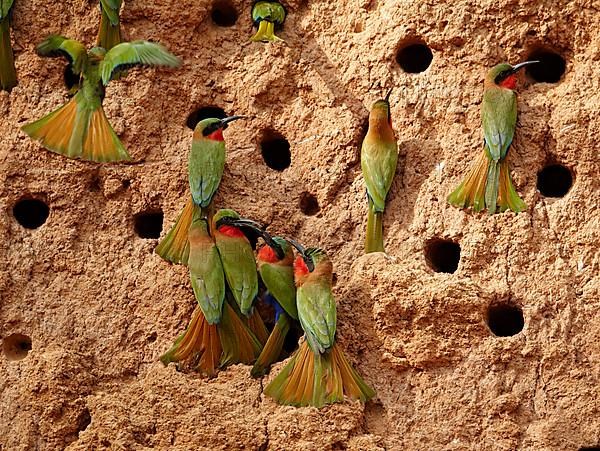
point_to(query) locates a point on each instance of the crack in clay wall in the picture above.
(87, 307)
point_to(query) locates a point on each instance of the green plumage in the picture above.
(278, 277)
(267, 16)
(8, 75)
(206, 271)
(109, 34)
(205, 164)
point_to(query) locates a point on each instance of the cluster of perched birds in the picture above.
(236, 291)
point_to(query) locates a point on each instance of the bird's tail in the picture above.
(374, 239)
(109, 33)
(200, 342)
(491, 186)
(78, 131)
(313, 379)
(273, 346)
(257, 326)
(507, 195)
(8, 75)
(472, 191)
(265, 32)
(175, 246)
(239, 343)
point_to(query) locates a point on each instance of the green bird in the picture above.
(276, 268)
(109, 33)
(488, 183)
(267, 16)
(318, 373)
(8, 75)
(378, 161)
(80, 129)
(206, 163)
(216, 336)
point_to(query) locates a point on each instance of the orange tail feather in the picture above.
(258, 328)
(175, 246)
(239, 343)
(471, 192)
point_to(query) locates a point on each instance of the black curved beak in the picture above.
(307, 260)
(519, 66)
(225, 121)
(387, 96)
(273, 244)
(242, 222)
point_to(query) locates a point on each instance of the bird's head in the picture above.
(505, 75)
(212, 128)
(310, 260)
(275, 250)
(380, 114)
(229, 222)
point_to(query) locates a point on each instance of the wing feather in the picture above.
(74, 51)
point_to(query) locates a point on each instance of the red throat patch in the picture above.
(231, 231)
(300, 268)
(509, 82)
(217, 135)
(267, 254)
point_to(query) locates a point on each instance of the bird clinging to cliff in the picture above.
(267, 16)
(378, 160)
(8, 75)
(318, 373)
(206, 163)
(488, 183)
(109, 33)
(80, 129)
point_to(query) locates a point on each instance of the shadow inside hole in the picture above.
(414, 58)
(505, 319)
(70, 78)
(290, 343)
(83, 420)
(554, 180)
(442, 255)
(590, 448)
(148, 224)
(205, 112)
(31, 213)
(275, 150)
(224, 14)
(16, 346)
(309, 205)
(550, 69)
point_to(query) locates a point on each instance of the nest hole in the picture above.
(555, 180)
(148, 224)
(224, 14)
(290, 343)
(309, 205)
(31, 213)
(590, 448)
(550, 69)
(505, 319)
(442, 255)
(83, 420)
(275, 150)
(205, 112)
(70, 78)
(16, 346)
(414, 57)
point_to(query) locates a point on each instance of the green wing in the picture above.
(5, 6)
(316, 311)
(279, 280)
(378, 163)
(111, 9)
(240, 270)
(206, 165)
(271, 11)
(55, 45)
(135, 53)
(498, 119)
(208, 281)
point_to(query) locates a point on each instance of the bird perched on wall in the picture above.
(378, 161)
(206, 163)
(215, 336)
(275, 262)
(267, 16)
(488, 183)
(80, 129)
(318, 373)
(8, 75)
(109, 33)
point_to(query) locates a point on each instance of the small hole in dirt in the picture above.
(275, 150)
(16, 346)
(95, 184)
(505, 319)
(204, 112)
(84, 420)
(152, 337)
(126, 183)
(31, 213)
(148, 224)
(550, 69)
(590, 448)
(414, 58)
(442, 255)
(309, 205)
(224, 14)
(554, 180)
(290, 344)
(71, 78)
